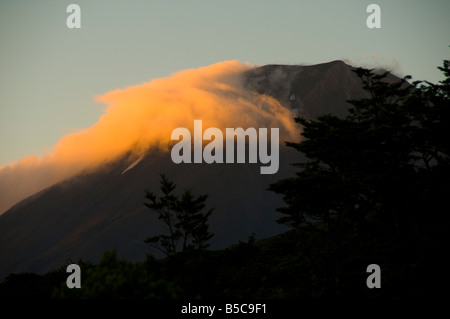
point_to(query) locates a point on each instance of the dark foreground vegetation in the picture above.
(374, 190)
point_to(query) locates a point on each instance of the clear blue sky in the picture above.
(50, 74)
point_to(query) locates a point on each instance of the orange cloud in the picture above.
(144, 116)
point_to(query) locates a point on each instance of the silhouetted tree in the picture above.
(374, 186)
(376, 163)
(165, 207)
(114, 278)
(184, 218)
(192, 223)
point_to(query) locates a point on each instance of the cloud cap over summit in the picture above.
(143, 116)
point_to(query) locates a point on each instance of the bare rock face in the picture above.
(308, 90)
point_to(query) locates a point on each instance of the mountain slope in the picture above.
(96, 211)
(309, 90)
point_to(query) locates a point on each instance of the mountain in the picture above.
(309, 90)
(100, 210)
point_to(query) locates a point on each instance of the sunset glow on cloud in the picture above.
(143, 116)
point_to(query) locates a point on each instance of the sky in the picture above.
(51, 76)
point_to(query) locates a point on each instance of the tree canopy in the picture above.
(184, 218)
(375, 183)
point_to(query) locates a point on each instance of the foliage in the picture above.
(113, 278)
(374, 186)
(183, 217)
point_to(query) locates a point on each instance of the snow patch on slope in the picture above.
(132, 165)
